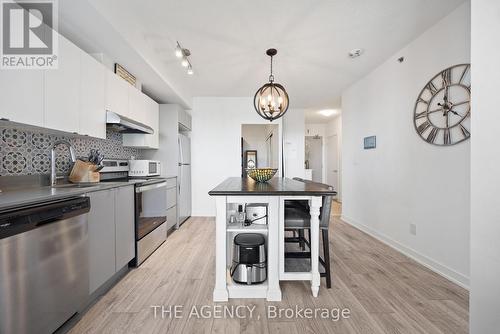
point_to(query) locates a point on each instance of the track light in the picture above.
(180, 52)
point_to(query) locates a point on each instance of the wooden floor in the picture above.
(385, 291)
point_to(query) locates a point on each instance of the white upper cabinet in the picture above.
(21, 97)
(184, 119)
(137, 102)
(92, 98)
(153, 114)
(62, 90)
(150, 111)
(117, 94)
(75, 97)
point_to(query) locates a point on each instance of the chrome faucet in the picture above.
(53, 174)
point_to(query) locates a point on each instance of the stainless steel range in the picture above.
(150, 207)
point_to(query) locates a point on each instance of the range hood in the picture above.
(124, 124)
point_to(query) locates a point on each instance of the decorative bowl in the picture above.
(261, 174)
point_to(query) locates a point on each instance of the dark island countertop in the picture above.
(277, 186)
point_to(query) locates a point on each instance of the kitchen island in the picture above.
(237, 191)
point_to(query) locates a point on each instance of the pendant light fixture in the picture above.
(271, 100)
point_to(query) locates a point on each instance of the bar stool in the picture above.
(298, 220)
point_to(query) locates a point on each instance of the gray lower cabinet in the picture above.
(171, 202)
(124, 224)
(101, 220)
(171, 217)
(111, 233)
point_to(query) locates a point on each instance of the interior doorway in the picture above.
(314, 157)
(260, 146)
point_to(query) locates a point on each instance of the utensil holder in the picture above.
(84, 172)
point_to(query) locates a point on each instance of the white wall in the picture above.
(334, 128)
(293, 140)
(273, 144)
(215, 144)
(405, 180)
(485, 171)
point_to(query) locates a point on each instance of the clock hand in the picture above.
(454, 112)
(435, 110)
(443, 107)
(460, 103)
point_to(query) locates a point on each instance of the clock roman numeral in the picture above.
(446, 76)
(421, 115)
(464, 73)
(424, 126)
(465, 132)
(432, 135)
(447, 137)
(421, 100)
(432, 88)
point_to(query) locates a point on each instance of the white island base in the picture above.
(274, 232)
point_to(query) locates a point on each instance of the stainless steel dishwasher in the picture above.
(44, 276)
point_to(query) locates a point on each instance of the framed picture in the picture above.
(370, 142)
(124, 74)
(251, 159)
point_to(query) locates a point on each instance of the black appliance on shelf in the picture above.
(249, 259)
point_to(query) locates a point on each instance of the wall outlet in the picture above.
(413, 229)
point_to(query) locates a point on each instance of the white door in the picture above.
(332, 163)
(22, 96)
(153, 114)
(92, 102)
(117, 94)
(62, 90)
(137, 105)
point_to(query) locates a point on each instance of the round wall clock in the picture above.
(442, 110)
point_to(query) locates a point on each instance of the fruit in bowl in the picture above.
(261, 174)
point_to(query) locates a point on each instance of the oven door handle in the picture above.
(150, 187)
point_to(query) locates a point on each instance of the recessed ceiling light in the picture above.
(328, 112)
(355, 53)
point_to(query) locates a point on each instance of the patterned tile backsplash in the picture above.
(27, 151)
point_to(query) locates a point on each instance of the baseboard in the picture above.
(433, 265)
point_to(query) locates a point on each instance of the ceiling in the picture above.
(228, 40)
